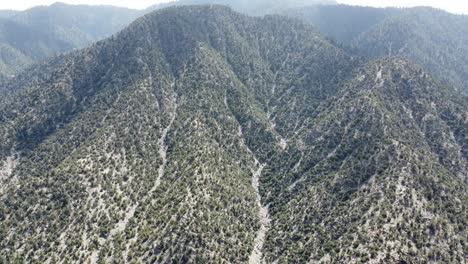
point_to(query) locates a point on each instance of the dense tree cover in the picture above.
(139, 147)
(429, 37)
(44, 31)
(380, 174)
(40, 32)
(433, 38)
(144, 148)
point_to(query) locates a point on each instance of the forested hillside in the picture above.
(148, 142)
(41, 32)
(378, 175)
(201, 135)
(433, 38)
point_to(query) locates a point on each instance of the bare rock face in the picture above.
(7, 166)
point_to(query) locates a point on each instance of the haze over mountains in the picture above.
(257, 7)
(201, 135)
(41, 32)
(433, 38)
(7, 13)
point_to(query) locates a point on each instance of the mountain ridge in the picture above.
(315, 202)
(199, 134)
(430, 37)
(42, 32)
(180, 84)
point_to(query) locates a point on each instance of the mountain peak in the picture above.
(201, 135)
(176, 90)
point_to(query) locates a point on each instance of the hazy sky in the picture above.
(24, 4)
(455, 6)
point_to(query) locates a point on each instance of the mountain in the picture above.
(430, 37)
(21, 45)
(44, 31)
(40, 32)
(140, 146)
(77, 24)
(379, 175)
(255, 7)
(433, 38)
(342, 23)
(200, 135)
(7, 13)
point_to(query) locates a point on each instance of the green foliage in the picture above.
(432, 38)
(142, 148)
(41, 32)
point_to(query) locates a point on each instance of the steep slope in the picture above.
(432, 38)
(200, 135)
(379, 175)
(11, 61)
(150, 145)
(77, 24)
(21, 45)
(45, 31)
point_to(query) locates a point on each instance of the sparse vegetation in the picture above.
(146, 147)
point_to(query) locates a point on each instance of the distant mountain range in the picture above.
(257, 7)
(198, 134)
(433, 38)
(202, 135)
(44, 31)
(41, 32)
